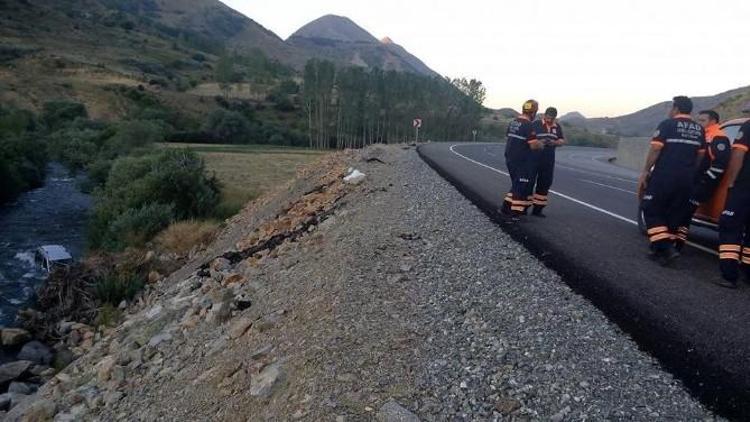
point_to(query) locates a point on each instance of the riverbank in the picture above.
(391, 298)
(56, 213)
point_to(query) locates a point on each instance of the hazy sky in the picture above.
(597, 57)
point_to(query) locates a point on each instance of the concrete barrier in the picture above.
(631, 152)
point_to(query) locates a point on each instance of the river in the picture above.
(56, 213)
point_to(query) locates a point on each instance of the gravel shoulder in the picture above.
(394, 299)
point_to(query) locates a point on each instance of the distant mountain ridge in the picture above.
(643, 122)
(339, 39)
(573, 117)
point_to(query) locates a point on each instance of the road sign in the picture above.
(417, 123)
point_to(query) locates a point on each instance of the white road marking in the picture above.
(607, 186)
(591, 173)
(578, 201)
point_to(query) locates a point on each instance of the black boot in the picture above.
(505, 208)
(538, 212)
(668, 256)
(727, 284)
(730, 273)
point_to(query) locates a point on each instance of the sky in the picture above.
(600, 58)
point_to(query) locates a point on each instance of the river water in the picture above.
(56, 214)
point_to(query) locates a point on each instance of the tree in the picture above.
(58, 113)
(352, 107)
(228, 126)
(223, 73)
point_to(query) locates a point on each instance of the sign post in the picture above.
(474, 132)
(417, 123)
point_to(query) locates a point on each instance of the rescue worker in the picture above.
(521, 141)
(678, 145)
(550, 135)
(710, 172)
(734, 239)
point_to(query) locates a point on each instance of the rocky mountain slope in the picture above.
(339, 39)
(334, 301)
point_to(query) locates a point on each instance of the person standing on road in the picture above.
(550, 134)
(677, 147)
(734, 239)
(710, 172)
(521, 141)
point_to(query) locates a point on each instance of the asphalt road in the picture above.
(697, 330)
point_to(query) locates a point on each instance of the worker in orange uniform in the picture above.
(521, 141)
(677, 147)
(710, 171)
(734, 239)
(550, 134)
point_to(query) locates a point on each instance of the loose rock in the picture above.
(14, 336)
(391, 411)
(36, 352)
(13, 370)
(240, 327)
(262, 385)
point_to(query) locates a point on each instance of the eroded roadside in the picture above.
(340, 302)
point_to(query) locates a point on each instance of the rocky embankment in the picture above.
(392, 299)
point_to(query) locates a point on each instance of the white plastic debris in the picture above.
(355, 177)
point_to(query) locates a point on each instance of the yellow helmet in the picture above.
(530, 107)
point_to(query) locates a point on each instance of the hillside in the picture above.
(94, 51)
(339, 39)
(643, 122)
(97, 51)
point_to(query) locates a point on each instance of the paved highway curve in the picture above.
(698, 331)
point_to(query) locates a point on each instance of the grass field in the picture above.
(247, 171)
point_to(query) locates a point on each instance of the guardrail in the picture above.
(631, 152)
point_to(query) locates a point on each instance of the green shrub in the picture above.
(97, 173)
(16, 122)
(135, 226)
(143, 195)
(75, 148)
(57, 114)
(23, 161)
(228, 126)
(277, 139)
(132, 135)
(113, 289)
(109, 315)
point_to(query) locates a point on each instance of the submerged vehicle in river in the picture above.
(50, 257)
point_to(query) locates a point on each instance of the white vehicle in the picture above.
(52, 256)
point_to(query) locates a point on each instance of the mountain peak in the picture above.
(334, 27)
(573, 116)
(339, 39)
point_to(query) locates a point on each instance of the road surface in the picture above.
(699, 331)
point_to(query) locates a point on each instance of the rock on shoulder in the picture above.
(394, 412)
